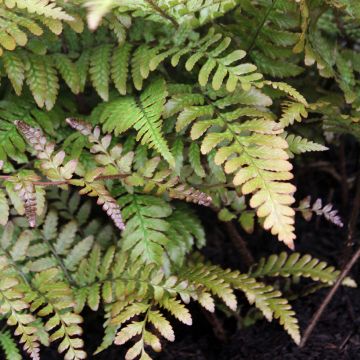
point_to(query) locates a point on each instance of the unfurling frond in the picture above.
(328, 212)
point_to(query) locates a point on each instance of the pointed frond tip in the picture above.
(190, 194)
(79, 125)
(27, 194)
(109, 204)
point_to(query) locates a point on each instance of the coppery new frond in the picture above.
(52, 164)
(327, 211)
(101, 144)
(190, 194)
(79, 125)
(35, 138)
(108, 203)
(26, 191)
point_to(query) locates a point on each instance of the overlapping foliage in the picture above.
(207, 107)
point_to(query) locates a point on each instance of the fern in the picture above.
(256, 144)
(146, 226)
(225, 66)
(144, 116)
(299, 266)
(9, 346)
(299, 145)
(207, 106)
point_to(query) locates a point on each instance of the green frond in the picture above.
(100, 70)
(146, 226)
(68, 72)
(299, 145)
(298, 265)
(143, 114)
(279, 69)
(120, 67)
(219, 63)
(195, 160)
(45, 8)
(42, 80)
(289, 90)
(9, 346)
(292, 111)
(184, 232)
(12, 144)
(15, 70)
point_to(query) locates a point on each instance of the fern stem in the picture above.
(66, 182)
(239, 243)
(67, 275)
(258, 30)
(165, 15)
(16, 267)
(316, 317)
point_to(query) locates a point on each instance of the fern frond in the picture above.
(222, 282)
(289, 90)
(57, 297)
(15, 308)
(212, 48)
(68, 72)
(52, 164)
(299, 145)
(300, 266)
(9, 346)
(108, 203)
(119, 67)
(260, 163)
(100, 70)
(185, 231)
(45, 8)
(146, 226)
(292, 111)
(144, 116)
(330, 214)
(15, 70)
(42, 80)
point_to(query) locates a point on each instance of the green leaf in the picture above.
(100, 70)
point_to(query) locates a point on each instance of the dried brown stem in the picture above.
(314, 320)
(239, 243)
(348, 265)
